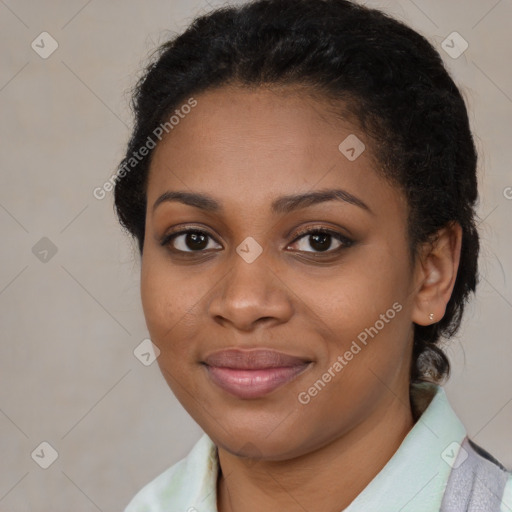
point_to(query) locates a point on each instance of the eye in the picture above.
(188, 240)
(321, 241)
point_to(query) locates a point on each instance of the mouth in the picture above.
(254, 373)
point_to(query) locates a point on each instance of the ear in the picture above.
(436, 271)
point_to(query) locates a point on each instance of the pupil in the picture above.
(319, 241)
(196, 241)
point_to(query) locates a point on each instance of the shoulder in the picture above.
(506, 501)
(481, 478)
(181, 485)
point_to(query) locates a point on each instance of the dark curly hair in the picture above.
(383, 74)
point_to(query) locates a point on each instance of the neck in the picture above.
(327, 479)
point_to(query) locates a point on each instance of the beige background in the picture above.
(69, 325)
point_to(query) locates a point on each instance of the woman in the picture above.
(301, 182)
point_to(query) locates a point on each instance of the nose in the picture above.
(251, 294)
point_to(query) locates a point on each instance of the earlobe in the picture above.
(438, 264)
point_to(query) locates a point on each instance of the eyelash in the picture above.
(345, 241)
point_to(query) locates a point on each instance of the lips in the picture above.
(253, 359)
(254, 373)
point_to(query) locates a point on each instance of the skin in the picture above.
(245, 148)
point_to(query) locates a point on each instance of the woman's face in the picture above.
(251, 279)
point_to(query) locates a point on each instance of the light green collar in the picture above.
(416, 475)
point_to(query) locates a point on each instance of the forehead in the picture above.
(250, 145)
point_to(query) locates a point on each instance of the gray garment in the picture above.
(476, 483)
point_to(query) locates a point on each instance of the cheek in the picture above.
(363, 306)
(169, 303)
(356, 292)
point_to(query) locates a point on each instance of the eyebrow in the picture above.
(281, 205)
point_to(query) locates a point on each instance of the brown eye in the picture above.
(189, 241)
(322, 240)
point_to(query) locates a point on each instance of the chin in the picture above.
(257, 443)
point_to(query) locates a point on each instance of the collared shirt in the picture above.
(413, 479)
